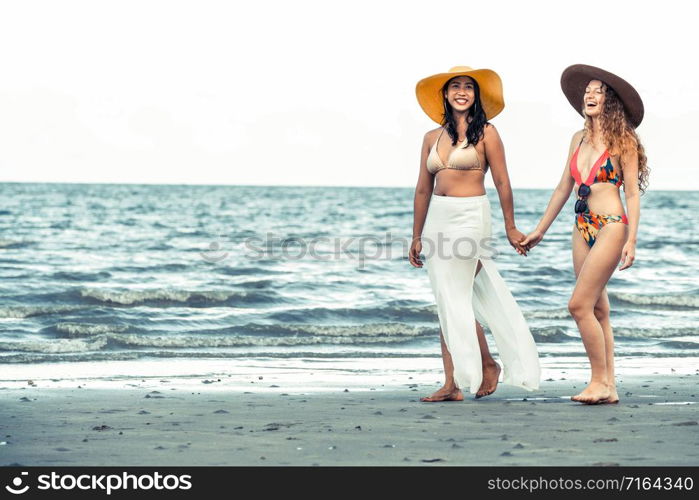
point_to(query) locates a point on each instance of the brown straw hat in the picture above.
(576, 77)
(429, 94)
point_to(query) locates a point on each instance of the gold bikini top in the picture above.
(462, 157)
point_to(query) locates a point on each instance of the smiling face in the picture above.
(460, 93)
(593, 99)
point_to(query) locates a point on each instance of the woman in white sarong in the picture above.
(453, 224)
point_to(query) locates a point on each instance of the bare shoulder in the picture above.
(431, 136)
(577, 136)
(490, 134)
(630, 157)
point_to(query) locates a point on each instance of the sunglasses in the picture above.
(581, 203)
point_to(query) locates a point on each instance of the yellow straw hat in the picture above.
(429, 94)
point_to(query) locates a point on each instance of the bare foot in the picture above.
(444, 394)
(491, 374)
(613, 396)
(594, 393)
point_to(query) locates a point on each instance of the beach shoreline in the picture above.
(343, 412)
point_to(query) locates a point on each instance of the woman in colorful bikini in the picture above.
(451, 205)
(604, 156)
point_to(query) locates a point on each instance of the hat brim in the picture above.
(575, 78)
(428, 91)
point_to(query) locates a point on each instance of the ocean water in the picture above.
(137, 272)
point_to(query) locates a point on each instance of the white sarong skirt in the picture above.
(455, 236)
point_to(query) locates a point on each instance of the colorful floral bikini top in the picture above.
(602, 171)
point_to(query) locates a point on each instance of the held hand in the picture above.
(515, 236)
(414, 253)
(628, 254)
(532, 239)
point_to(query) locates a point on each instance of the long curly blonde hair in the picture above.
(618, 134)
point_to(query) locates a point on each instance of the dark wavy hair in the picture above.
(474, 130)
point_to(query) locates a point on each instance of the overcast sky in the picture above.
(319, 92)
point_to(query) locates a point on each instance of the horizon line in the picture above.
(275, 185)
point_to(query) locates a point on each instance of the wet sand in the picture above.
(257, 420)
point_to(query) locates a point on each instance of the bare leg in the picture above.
(580, 251)
(602, 315)
(450, 391)
(596, 270)
(491, 370)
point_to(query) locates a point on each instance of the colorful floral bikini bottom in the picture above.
(589, 224)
